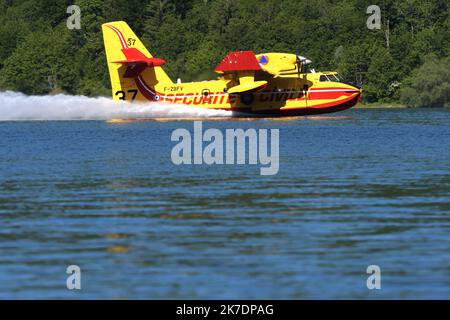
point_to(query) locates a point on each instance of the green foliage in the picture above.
(381, 75)
(40, 64)
(38, 54)
(429, 85)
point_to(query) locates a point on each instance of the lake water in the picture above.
(359, 188)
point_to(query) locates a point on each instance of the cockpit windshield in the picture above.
(333, 77)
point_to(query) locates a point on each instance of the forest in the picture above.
(405, 60)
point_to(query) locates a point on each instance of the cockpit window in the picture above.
(333, 77)
(329, 77)
(341, 78)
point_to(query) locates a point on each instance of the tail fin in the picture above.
(134, 73)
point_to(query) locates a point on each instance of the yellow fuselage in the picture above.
(274, 84)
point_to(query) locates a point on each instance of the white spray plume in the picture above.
(19, 107)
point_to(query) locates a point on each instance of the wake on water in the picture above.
(19, 107)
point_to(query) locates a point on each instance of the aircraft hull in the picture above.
(303, 111)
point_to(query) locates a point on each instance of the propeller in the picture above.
(298, 63)
(302, 62)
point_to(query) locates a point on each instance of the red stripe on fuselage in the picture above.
(329, 94)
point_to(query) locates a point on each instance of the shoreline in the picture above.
(391, 106)
(380, 106)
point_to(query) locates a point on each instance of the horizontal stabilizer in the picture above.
(134, 56)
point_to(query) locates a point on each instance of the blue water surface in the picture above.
(359, 188)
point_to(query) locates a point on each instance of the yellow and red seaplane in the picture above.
(269, 84)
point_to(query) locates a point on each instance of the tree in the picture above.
(41, 65)
(429, 85)
(194, 35)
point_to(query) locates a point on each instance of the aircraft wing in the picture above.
(248, 87)
(244, 64)
(239, 61)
